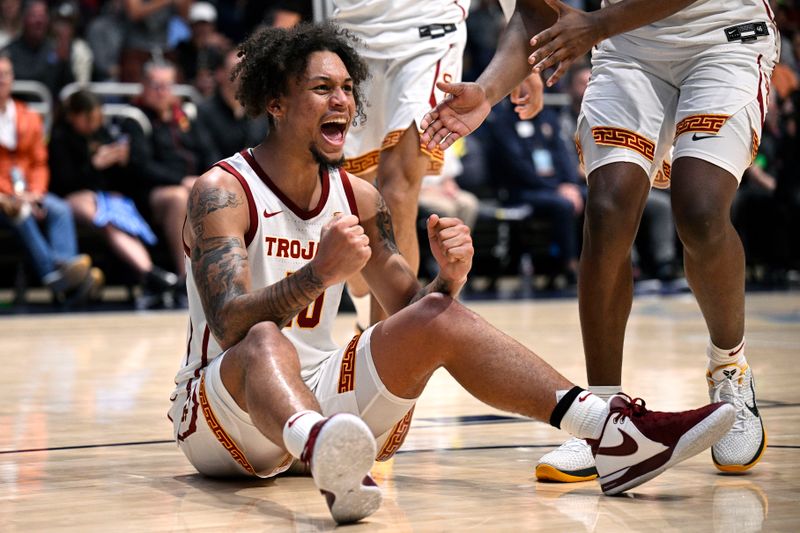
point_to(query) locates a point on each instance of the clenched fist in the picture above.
(343, 250)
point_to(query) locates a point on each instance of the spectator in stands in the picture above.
(41, 221)
(89, 167)
(530, 160)
(70, 48)
(167, 162)
(10, 20)
(35, 55)
(147, 32)
(106, 40)
(200, 56)
(223, 117)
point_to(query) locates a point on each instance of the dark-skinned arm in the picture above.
(576, 31)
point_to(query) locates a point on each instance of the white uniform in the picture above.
(214, 433)
(409, 46)
(695, 82)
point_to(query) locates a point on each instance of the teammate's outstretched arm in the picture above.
(468, 104)
(576, 31)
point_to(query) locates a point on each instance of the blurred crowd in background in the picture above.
(134, 101)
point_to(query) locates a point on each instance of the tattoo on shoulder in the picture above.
(205, 201)
(384, 222)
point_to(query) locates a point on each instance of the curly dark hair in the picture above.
(272, 57)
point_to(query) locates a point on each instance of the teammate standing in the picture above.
(408, 46)
(690, 74)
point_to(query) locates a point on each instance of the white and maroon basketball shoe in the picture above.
(636, 445)
(340, 452)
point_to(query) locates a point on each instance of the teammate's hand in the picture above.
(573, 35)
(343, 250)
(528, 97)
(464, 109)
(451, 244)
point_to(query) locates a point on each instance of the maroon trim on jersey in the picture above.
(463, 11)
(251, 203)
(204, 359)
(348, 191)
(432, 99)
(770, 14)
(759, 96)
(186, 249)
(189, 342)
(300, 212)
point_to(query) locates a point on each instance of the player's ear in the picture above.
(275, 108)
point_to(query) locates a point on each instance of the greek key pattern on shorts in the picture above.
(397, 437)
(756, 143)
(579, 150)
(701, 123)
(362, 164)
(392, 138)
(347, 372)
(662, 179)
(608, 136)
(220, 433)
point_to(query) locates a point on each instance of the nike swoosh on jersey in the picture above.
(582, 398)
(268, 215)
(696, 138)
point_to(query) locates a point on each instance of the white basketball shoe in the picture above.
(745, 443)
(572, 461)
(340, 452)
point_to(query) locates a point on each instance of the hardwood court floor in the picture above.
(85, 444)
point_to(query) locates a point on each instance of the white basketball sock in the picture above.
(296, 430)
(584, 416)
(719, 356)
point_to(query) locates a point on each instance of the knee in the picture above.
(608, 217)
(265, 342)
(700, 223)
(439, 313)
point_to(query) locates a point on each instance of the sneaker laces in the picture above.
(631, 408)
(731, 395)
(574, 444)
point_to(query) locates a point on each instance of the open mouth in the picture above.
(334, 130)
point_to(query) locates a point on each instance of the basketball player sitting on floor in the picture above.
(272, 234)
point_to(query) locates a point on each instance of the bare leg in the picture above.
(262, 374)
(400, 173)
(616, 199)
(169, 210)
(440, 332)
(702, 194)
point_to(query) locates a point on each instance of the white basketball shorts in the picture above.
(219, 439)
(402, 88)
(710, 105)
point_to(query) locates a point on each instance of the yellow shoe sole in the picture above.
(550, 473)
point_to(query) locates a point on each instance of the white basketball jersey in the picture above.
(282, 239)
(700, 23)
(383, 23)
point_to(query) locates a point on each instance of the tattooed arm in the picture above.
(390, 278)
(218, 220)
